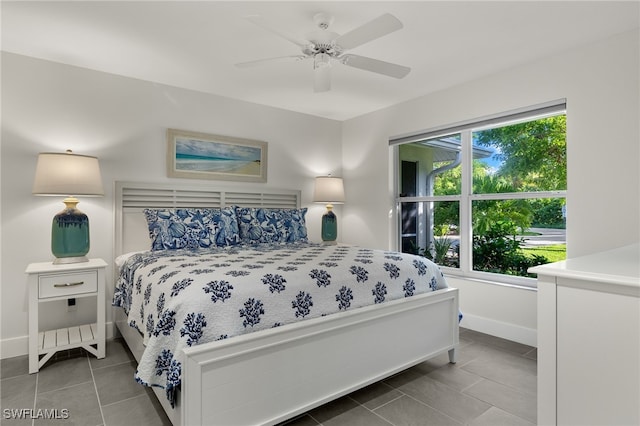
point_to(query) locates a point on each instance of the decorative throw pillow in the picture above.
(294, 226)
(260, 225)
(173, 229)
(254, 226)
(225, 227)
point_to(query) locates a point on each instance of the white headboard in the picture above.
(131, 198)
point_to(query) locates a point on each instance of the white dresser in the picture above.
(589, 339)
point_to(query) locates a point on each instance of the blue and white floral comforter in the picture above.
(181, 298)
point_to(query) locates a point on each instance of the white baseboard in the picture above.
(19, 346)
(515, 333)
(16, 346)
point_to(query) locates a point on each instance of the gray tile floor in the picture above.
(493, 383)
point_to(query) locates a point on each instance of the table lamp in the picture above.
(329, 190)
(68, 174)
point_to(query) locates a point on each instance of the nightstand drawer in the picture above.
(67, 284)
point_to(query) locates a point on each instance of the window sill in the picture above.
(522, 283)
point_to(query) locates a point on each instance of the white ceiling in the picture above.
(195, 45)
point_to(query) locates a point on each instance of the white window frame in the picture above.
(466, 197)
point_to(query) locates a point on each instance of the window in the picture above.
(488, 196)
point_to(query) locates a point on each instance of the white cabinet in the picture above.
(589, 339)
(49, 282)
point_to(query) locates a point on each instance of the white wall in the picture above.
(600, 84)
(53, 107)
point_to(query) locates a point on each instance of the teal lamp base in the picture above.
(329, 231)
(70, 234)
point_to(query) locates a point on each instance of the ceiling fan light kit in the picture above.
(324, 46)
(321, 60)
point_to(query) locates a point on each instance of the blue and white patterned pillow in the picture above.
(260, 225)
(173, 229)
(225, 227)
(294, 227)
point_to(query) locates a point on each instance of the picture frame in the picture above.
(194, 155)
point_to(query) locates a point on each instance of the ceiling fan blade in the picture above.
(256, 19)
(379, 27)
(322, 79)
(375, 65)
(258, 62)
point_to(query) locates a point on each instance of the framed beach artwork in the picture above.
(203, 156)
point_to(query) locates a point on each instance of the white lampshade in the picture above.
(329, 189)
(67, 174)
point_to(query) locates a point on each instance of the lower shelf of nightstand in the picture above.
(81, 336)
(67, 338)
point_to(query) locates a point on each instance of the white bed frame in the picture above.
(269, 376)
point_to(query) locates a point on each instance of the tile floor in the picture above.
(493, 383)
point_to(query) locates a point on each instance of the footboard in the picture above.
(273, 375)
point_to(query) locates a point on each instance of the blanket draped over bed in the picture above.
(181, 298)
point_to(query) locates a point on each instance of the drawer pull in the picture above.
(69, 284)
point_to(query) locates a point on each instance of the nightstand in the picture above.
(49, 282)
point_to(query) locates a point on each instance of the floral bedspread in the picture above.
(181, 298)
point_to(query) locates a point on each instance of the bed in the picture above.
(265, 368)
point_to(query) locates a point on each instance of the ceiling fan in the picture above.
(326, 47)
